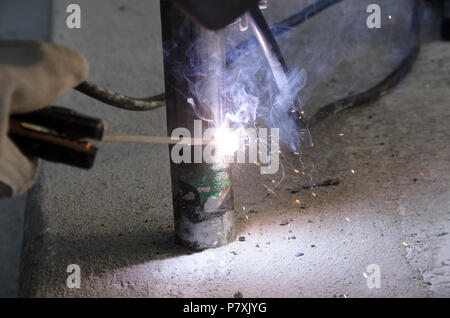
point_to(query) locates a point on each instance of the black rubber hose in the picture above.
(382, 87)
(120, 101)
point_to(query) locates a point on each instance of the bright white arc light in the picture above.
(226, 141)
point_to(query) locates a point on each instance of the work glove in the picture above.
(33, 74)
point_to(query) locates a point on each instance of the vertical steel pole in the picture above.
(202, 193)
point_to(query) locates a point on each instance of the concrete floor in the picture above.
(115, 221)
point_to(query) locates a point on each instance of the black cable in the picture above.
(382, 87)
(120, 101)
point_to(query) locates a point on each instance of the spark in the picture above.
(270, 190)
(347, 219)
(296, 153)
(246, 217)
(341, 134)
(405, 244)
(227, 140)
(298, 201)
(314, 195)
(243, 208)
(390, 17)
(365, 275)
(353, 171)
(296, 171)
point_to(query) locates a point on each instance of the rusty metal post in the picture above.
(202, 193)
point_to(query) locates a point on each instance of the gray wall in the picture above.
(18, 19)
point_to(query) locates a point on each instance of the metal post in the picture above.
(202, 192)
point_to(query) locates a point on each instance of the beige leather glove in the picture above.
(33, 74)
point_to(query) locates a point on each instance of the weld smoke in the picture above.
(326, 48)
(248, 94)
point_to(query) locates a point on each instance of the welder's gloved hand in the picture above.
(33, 74)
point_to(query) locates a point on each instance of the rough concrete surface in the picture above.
(11, 232)
(391, 207)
